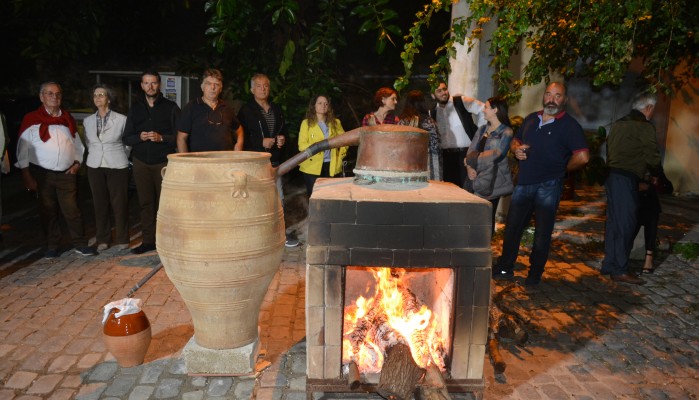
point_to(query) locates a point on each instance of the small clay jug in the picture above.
(127, 337)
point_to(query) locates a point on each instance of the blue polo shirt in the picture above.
(552, 145)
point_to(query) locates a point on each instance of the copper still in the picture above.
(389, 156)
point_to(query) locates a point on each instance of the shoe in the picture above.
(648, 267)
(143, 248)
(86, 251)
(291, 242)
(502, 274)
(52, 253)
(628, 278)
(121, 246)
(532, 281)
(102, 247)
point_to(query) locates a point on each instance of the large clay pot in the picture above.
(220, 237)
(127, 337)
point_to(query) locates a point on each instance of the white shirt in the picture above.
(56, 154)
(451, 130)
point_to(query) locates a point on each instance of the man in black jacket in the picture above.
(151, 132)
(265, 128)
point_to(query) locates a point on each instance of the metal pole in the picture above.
(144, 280)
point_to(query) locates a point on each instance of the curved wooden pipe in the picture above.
(349, 138)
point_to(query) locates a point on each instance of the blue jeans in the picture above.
(622, 217)
(542, 200)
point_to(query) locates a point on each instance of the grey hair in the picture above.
(44, 84)
(643, 100)
(256, 77)
(107, 89)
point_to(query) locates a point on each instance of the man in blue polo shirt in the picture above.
(549, 143)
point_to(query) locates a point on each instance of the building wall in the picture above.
(682, 143)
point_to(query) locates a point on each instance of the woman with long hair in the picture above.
(415, 113)
(320, 124)
(384, 103)
(488, 169)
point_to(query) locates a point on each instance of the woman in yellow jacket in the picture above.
(320, 124)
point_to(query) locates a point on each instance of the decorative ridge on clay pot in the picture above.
(126, 336)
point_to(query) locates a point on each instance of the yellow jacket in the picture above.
(308, 136)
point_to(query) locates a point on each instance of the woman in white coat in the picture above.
(107, 169)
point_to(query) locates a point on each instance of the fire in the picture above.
(391, 315)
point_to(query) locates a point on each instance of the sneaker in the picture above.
(143, 248)
(121, 246)
(52, 253)
(86, 251)
(502, 274)
(291, 242)
(102, 247)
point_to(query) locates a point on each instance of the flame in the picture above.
(392, 315)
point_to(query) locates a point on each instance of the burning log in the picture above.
(433, 386)
(400, 374)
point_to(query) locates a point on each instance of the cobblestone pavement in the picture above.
(589, 338)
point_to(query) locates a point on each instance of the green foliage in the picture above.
(67, 29)
(413, 44)
(295, 43)
(376, 16)
(595, 39)
(689, 250)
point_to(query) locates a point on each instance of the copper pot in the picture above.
(392, 154)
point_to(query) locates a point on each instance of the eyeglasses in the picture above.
(217, 118)
(99, 95)
(52, 94)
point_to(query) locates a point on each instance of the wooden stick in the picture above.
(353, 377)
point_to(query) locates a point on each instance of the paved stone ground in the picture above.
(589, 338)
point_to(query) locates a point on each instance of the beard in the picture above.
(552, 108)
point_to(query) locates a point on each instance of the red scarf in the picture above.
(44, 119)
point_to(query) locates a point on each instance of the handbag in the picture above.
(485, 183)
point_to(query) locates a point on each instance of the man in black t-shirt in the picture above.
(208, 123)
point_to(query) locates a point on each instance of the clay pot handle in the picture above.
(240, 183)
(162, 172)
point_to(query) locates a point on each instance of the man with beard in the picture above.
(151, 133)
(456, 129)
(549, 143)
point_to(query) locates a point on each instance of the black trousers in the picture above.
(58, 196)
(149, 182)
(310, 179)
(454, 168)
(110, 191)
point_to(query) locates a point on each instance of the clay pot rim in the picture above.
(218, 156)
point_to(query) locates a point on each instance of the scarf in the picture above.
(44, 119)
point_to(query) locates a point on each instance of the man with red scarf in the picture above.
(49, 153)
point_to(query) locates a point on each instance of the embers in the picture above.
(385, 307)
